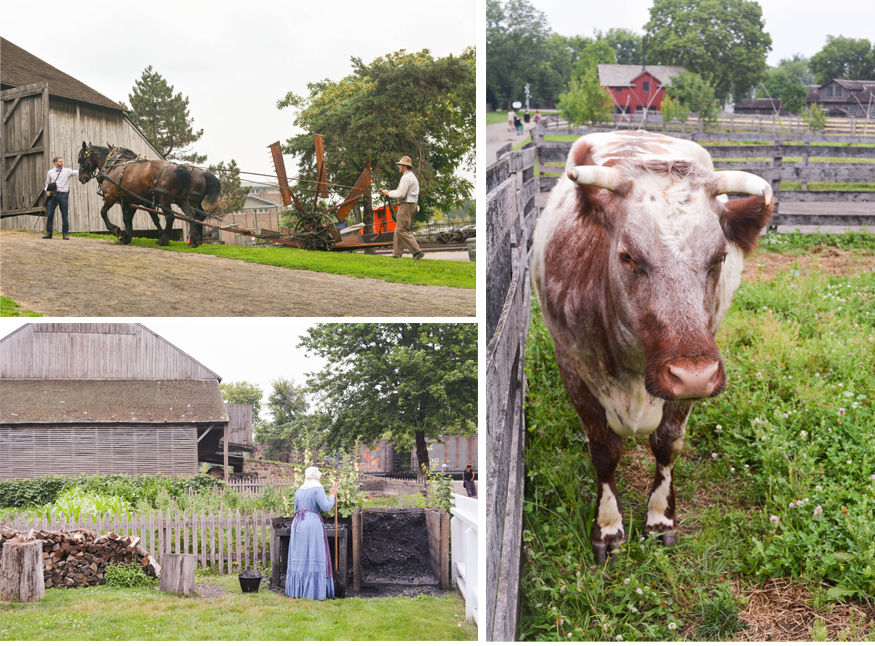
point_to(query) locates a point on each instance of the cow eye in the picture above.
(717, 261)
(626, 259)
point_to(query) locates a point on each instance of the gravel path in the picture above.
(87, 277)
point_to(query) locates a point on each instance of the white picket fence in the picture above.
(464, 530)
(227, 540)
(256, 486)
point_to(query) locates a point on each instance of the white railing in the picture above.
(464, 531)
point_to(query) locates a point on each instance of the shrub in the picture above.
(127, 576)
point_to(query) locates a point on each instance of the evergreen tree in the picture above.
(163, 117)
(232, 196)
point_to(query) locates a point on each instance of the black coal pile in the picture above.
(395, 549)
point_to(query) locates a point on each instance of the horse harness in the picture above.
(111, 163)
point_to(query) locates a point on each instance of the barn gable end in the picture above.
(105, 398)
(45, 113)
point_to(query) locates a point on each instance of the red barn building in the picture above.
(635, 88)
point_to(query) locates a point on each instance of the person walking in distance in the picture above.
(408, 194)
(57, 190)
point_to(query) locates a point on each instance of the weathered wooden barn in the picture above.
(46, 113)
(109, 398)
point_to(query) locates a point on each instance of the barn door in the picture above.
(25, 133)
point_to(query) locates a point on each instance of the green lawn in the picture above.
(104, 613)
(428, 271)
(8, 307)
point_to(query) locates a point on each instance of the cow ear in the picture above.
(742, 221)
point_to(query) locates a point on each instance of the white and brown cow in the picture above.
(635, 262)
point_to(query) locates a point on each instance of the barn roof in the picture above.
(141, 401)
(623, 75)
(23, 68)
(760, 104)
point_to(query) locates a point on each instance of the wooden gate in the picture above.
(25, 133)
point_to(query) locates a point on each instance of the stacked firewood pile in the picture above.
(79, 558)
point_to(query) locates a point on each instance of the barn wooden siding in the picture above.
(34, 451)
(25, 113)
(239, 423)
(69, 124)
(94, 351)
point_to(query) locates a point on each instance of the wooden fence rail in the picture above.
(811, 163)
(511, 187)
(227, 540)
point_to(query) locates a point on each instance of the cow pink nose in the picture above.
(700, 381)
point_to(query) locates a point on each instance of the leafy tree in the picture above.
(290, 428)
(781, 84)
(594, 53)
(163, 117)
(243, 392)
(626, 44)
(673, 109)
(797, 66)
(695, 94)
(232, 197)
(586, 102)
(724, 42)
(407, 382)
(400, 104)
(516, 44)
(554, 71)
(815, 115)
(844, 58)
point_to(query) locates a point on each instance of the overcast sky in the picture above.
(257, 350)
(233, 60)
(794, 25)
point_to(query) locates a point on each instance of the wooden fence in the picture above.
(771, 161)
(227, 541)
(511, 213)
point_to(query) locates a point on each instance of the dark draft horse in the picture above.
(128, 180)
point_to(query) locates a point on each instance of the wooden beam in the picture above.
(204, 433)
(225, 441)
(11, 109)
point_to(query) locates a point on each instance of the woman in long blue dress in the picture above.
(309, 574)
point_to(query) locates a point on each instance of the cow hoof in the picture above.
(605, 552)
(666, 537)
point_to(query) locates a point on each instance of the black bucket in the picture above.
(250, 580)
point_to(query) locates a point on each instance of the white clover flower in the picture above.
(639, 591)
(672, 626)
(786, 415)
(774, 519)
(714, 456)
(818, 487)
(791, 505)
(803, 434)
(731, 469)
(627, 581)
(818, 510)
(719, 427)
(805, 499)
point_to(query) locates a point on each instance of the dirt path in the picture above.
(85, 277)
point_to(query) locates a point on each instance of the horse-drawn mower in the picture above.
(315, 227)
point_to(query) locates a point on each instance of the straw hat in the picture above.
(405, 161)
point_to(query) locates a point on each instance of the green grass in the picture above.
(428, 271)
(8, 307)
(104, 613)
(795, 424)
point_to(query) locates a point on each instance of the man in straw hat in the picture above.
(408, 193)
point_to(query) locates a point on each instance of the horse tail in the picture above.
(214, 187)
(183, 175)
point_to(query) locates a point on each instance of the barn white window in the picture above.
(840, 92)
(829, 93)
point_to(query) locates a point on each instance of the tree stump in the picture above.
(177, 574)
(21, 575)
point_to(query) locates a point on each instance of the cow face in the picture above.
(669, 241)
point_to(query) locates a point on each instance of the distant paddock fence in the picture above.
(778, 159)
(256, 486)
(227, 541)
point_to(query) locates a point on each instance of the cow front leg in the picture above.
(605, 448)
(666, 444)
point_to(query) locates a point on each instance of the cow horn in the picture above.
(600, 176)
(736, 181)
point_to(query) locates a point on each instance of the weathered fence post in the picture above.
(357, 550)
(21, 575)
